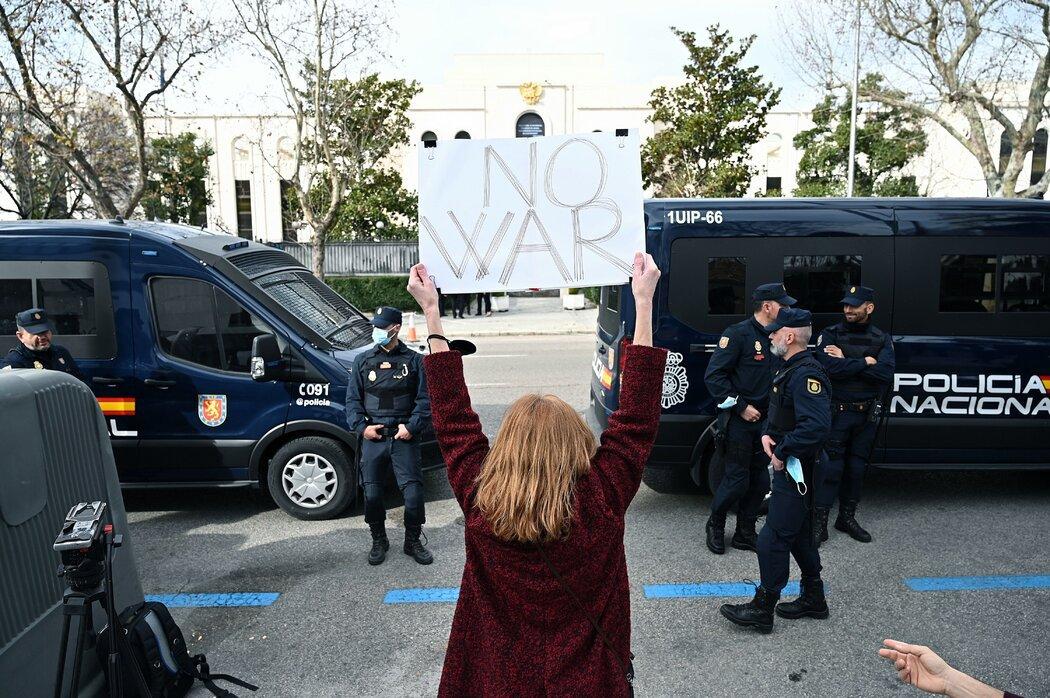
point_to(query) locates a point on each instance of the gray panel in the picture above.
(24, 490)
(78, 466)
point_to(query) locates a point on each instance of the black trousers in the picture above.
(786, 535)
(487, 298)
(406, 460)
(746, 478)
(460, 302)
(845, 462)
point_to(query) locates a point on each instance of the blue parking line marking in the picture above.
(431, 595)
(208, 600)
(1019, 581)
(686, 591)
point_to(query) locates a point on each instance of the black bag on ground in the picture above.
(154, 657)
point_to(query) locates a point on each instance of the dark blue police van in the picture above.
(165, 321)
(962, 285)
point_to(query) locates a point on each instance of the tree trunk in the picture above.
(317, 249)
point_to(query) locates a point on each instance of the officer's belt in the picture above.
(864, 406)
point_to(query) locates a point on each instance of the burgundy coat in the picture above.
(516, 631)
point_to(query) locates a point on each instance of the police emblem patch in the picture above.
(813, 386)
(676, 381)
(211, 409)
(723, 342)
(37, 364)
(758, 346)
(62, 360)
(36, 316)
(372, 376)
(852, 289)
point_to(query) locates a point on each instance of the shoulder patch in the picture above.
(814, 386)
(723, 342)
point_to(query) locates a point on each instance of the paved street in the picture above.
(329, 633)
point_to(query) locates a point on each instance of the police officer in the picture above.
(388, 406)
(35, 349)
(798, 422)
(859, 359)
(740, 373)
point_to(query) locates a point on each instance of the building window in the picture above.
(818, 281)
(428, 136)
(243, 190)
(967, 283)
(773, 184)
(1026, 282)
(1038, 156)
(529, 125)
(463, 135)
(725, 285)
(289, 211)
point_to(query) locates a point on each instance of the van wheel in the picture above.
(311, 478)
(669, 480)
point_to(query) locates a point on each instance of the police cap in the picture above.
(773, 292)
(858, 295)
(34, 321)
(790, 317)
(386, 317)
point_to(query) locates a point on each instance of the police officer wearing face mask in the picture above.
(798, 422)
(35, 349)
(859, 359)
(388, 406)
(740, 373)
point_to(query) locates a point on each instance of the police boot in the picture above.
(847, 524)
(380, 544)
(745, 538)
(809, 604)
(414, 547)
(716, 534)
(756, 613)
(820, 525)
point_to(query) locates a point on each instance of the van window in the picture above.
(1026, 283)
(200, 323)
(818, 281)
(317, 305)
(609, 309)
(16, 295)
(967, 283)
(725, 285)
(70, 304)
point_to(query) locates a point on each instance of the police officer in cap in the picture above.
(798, 422)
(739, 376)
(859, 359)
(35, 349)
(388, 406)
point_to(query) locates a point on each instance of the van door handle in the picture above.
(603, 350)
(159, 382)
(106, 380)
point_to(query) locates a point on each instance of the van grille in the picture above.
(258, 262)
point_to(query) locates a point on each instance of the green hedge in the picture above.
(593, 293)
(370, 292)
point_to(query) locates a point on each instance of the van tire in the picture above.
(675, 480)
(313, 457)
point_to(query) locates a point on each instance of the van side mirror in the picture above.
(266, 358)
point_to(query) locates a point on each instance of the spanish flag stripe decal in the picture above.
(1046, 383)
(117, 406)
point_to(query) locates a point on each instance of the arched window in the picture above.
(428, 136)
(463, 135)
(1006, 149)
(529, 125)
(1038, 156)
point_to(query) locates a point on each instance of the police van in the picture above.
(962, 285)
(166, 322)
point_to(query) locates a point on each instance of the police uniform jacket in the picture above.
(799, 408)
(388, 388)
(852, 379)
(740, 366)
(54, 358)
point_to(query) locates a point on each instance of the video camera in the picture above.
(82, 544)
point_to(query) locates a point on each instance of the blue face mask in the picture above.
(380, 336)
(794, 469)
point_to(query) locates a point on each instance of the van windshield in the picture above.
(317, 305)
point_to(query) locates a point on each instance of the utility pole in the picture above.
(853, 110)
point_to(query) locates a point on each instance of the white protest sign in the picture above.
(519, 213)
